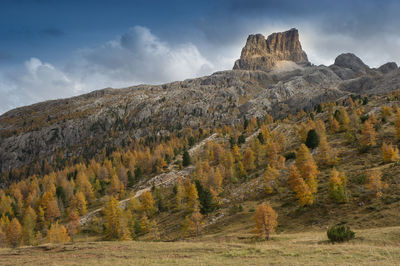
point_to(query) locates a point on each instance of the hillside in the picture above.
(65, 131)
(238, 194)
(361, 210)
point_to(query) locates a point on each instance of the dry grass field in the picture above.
(380, 246)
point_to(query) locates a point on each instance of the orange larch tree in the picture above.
(368, 137)
(52, 211)
(73, 226)
(374, 182)
(337, 186)
(248, 159)
(14, 233)
(390, 153)
(148, 202)
(29, 224)
(266, 220)
(325, 156)
(191, 196)
(299, 186)
(307, 167)
(57, 234)
(270, 177)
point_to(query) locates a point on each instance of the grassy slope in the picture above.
(372, 246)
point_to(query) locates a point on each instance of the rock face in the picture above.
(388, 67)
(352, 62)
(263, 54)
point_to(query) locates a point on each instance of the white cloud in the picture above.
(34, 81)
(137, 56)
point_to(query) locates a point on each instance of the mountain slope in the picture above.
(85, 125)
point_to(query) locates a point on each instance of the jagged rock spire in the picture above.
(263, 54)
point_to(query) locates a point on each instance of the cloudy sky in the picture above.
(59, 48)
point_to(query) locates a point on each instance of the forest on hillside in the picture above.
(340, 157)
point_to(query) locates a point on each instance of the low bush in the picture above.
(290, 155)
(340, 233)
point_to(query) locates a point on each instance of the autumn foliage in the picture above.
(14, 233)
(374, 183)
(266, 220)
(303, 176)
(368, 134)
(337, 186)
(271, 175)
(49, 204)
(390, 153)
(57, 234)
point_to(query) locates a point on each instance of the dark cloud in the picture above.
(33, 34)
(358, 18)
(52, 32)
(368, 28)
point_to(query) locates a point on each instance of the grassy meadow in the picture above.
(380, 246)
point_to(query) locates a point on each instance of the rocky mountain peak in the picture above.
(388, 67)
(263, 54)
(351, 61)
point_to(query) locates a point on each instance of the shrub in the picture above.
(318, 108)
(290, 155)
(364, 118)
(235, 209)
(312, 140)
(186, 158)
(260, 138)
(206, 200)
(340, 233)
(360, 179)
(241, 139)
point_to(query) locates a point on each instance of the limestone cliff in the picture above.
(263, 54)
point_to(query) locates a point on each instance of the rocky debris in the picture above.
(201, 144)
(264, 54)
(213, 219)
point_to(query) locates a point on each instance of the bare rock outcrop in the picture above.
(263, 54)
(388, 67)
(352, 62)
